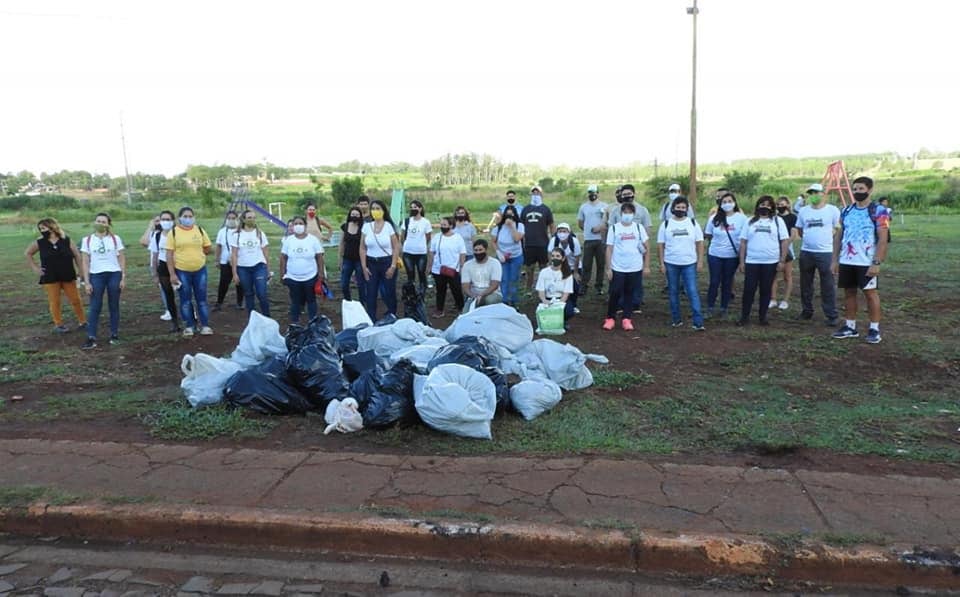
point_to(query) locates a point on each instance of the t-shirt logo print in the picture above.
(249, 244)
(680, 232)
(765, 228)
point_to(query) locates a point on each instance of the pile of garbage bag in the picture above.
(394, 371)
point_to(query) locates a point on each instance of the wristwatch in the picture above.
(876, 262)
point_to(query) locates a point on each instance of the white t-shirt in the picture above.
(763, 240)
(249, 244)
(506, 244)
(479, 275)
(679, 239)
(818, 226)
(158, 246)
(224, 246)
(553, 284)
(301, 257)
(446, 251)
(627, 242)
(571, 253)
(416, 241)
(592, 214)
(720, 243)
(378, 245)
(103, 252)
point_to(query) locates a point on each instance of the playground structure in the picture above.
(240, 200)
(836, 179)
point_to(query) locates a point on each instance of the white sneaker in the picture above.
(206, 331)
(783, 306)
(576, 310)
(166, 316)
(188, 332)
(772, 305)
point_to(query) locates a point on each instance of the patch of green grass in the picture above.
(785, 541)
(387, 511)
(620, 380)
(88, 406)
(851, 539)
(178, 421)
(18, 497)
(613, 524)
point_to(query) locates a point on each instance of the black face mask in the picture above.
(444, 229)
(414, 212)
(45, 233)
(680, 213)
(860, 196)
(627, 199)
(592, 196)
(462, 218)
(480, 257)
(556, 262)
(781, 210)
(763, 212)
(356, 219)
(511, 200)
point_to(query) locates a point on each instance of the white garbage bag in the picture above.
(343, 416)
(561, 363)
(353, 314)
(204, 377)
(385, 340)
(419, 354)
(456, 399)
(261, 340)
(501, 324)
(532, 398)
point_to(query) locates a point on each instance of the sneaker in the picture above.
(846, 332)
(609, 323)
(238, 307)
(175, 329)
(576, 310)
(873, 336)
(600, 292)
(114, 340)
(772, 305)
(187, 332)
(90, 343)
(81, 326)
(698, 328)
(627, 325)
(166, 316)
(206, 331)
(677, 324)
(783, 306)
(61, 329)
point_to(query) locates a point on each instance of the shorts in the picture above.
(535, 255)
(855, 276)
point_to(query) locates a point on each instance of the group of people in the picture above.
(615, 252)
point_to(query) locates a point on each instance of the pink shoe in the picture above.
(609, 323)
(627, 325)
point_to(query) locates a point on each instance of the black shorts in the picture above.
(535, 255)
(855, 276)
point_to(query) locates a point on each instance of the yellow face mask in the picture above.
(377, 214)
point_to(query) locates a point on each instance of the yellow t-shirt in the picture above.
(187, 247)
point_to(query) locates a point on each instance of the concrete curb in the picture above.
(513, 544)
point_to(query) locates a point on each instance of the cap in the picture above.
(674, 187)
(816, 187)
(563, 225)
(536, 188)
(592, 188)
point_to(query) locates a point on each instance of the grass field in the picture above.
(731, 390)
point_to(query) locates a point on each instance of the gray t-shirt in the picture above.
(643, 216)
(480, 275)
(592, 214)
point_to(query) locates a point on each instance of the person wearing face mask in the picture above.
(301, 269)
(379, 253)
(158, 265)
(56, 270)
(628, 194)
(222, 258)
(447, 256)
(249, 259)
(858, 252)
(507, 245)
(680, 244)
(104, 271)
(555, 283)
(592, 220)
(538, 223)
(317, 225)
(673, 191)
(147, 241)
(790, 220)
(763, 251)
(627, 258)
(480, 277)
(567, 242)
(464, 227)
(187, 248)
(350, 255)
(817, 224)
(416, 240)
(722, 233)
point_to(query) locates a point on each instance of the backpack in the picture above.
(872, 212)
(87, 239)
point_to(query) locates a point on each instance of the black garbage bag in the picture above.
(318, 331)
(386, 398)
(413, 303)
(357, 363)
(479, 354)
(347, 339)
(313, 363)
(266, 389)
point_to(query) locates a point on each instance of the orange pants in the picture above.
(53, 299)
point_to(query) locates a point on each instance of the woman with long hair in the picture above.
(58, 256)
(249, 257)
(222, 257)
(464, 227)
(555, 282)
(416, 241)
(104, 271)
(763, 250)
(785, 211)
(507, 243)
(349, 254)
(379, 253)
(723, 233)
(447, 255)
(158, 265)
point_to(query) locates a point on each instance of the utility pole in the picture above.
(126, 170)
(692, 195)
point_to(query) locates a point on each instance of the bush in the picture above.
(950, 196)
(38, 203)
(742, 183)
(346, 190)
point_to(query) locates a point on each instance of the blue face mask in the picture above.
(536, 200)
(186, 220)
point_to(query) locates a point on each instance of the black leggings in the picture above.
(442, 283)
(226, 276)
(164, 276)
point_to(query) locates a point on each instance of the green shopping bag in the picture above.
(550, 319)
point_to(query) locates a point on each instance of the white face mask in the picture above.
(563, 235)
(673, 195)
(299, 229)
(727, 207)
(166, 224)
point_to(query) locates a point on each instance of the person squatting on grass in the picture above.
(680, 244)
(379, 254)
(104, 270)
(158, 267)
(222, 258)
(627, 258)
(56, 270)
(301, 269)
(481, 277)
(250, 259)
(569, 245)
(445, 262)
(858, 252)
(187, 248)
(763, 251)
(723, 232)
(555, 284)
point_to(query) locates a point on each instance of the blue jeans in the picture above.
(687, 276)
(109, 282)
(722, 270)
(378, 267)
(193, 285)
(510, 282)
(253, 281)
(352, 269)
(301, 293)
(622, 290)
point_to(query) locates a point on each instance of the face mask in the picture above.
(860, 196)
(673, 195)
(727, 207)
(355, 219)
(299, 229)
(231, 223)
(536, 200)
(249, 223)
(763, 212)
(511, 200)
(377, 214)
(556, 262)
(186, 220)
(166, 224)
(680, 213)
(627, 199)
(444, 229)
(480, 257)
(462, 218)
(626, 218)
(781, 210)
(414, 211)
(45, 233)
(101, 227)
(563, 235)
(592, 197)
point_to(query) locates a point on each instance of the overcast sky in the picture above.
(551, 82)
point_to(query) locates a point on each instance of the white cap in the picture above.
(563, 225)
(592, 188)
(536, 187)
(816, 187)
(674, 187)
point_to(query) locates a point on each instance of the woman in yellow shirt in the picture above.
(187, 248)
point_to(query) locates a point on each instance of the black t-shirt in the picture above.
(56, 260)
(536, 220)
(351, 243)
(791, 221)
